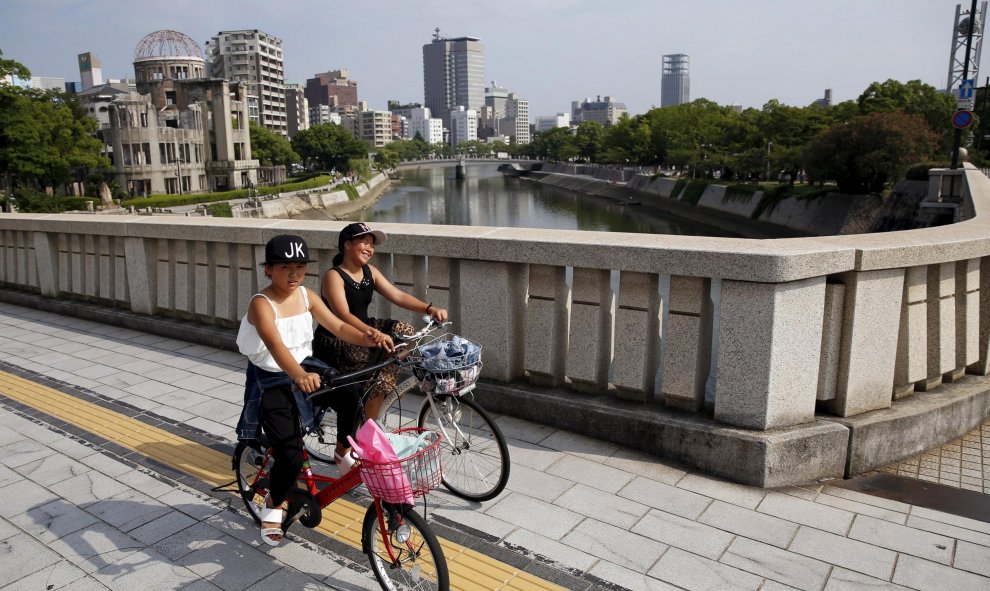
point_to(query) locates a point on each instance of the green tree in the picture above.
(913, 97)
(386, 158)
(865, 153)
(589, 139)
(270, 148)
(329, 146)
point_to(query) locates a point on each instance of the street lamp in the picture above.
(769, 144)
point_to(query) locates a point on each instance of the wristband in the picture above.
(428, 306)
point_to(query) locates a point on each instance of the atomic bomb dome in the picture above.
(167, 44)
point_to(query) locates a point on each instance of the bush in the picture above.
(352, 193)
(919, 172)
(28, 200)
(174, 200)
(77, 203)
(221, 210)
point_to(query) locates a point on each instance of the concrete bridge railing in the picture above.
(756, 334)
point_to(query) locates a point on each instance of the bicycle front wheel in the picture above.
(474, 456)
(419, 563)
(252, 480)
(321, 442)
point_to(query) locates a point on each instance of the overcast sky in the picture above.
(548, 51)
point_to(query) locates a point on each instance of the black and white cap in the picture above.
(286, 248)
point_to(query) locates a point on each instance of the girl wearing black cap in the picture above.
(347, 289)
(276, 335)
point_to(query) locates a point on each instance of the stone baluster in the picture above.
(189, 280)
(870, 322)
(212, 277)
(769, 342)
(967, 315)
(941, 324)
(141, 258)
(47, 257)
(637, 336)
(828, 369)
(408, 274)
(912, 339)
(589, 350)
(437, 286)
(381, 307)
(982, 366)
(489, 299)
(547, 310)
(687, 343)
(77, 267)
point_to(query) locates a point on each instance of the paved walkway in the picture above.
(963, 463)
(80, 512)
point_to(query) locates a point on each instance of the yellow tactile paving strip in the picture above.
(469, 570)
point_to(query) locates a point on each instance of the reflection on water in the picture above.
(431, 195)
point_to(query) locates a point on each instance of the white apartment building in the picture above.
(374, 127)
(463, 125)
(517, 111)
(548, 122)
(428, 128)
(320, 114)
(253, 58)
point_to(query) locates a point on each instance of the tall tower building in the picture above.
(90, 71)
(675, 84)
(253, 58)
(296, 109)
(453, 74)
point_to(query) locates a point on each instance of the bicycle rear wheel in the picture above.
(474, 455)
(420, 560)
(248, 463)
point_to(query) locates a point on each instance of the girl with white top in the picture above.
(276, 335)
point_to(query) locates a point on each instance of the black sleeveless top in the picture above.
(358, 295)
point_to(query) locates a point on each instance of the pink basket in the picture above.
(422, 470)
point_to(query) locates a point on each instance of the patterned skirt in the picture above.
(346, 357)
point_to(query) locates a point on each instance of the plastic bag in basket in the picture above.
(422, 470)
(373, 446)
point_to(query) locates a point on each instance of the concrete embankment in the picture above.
(747, 214)
(320, 203)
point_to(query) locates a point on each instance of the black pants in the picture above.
(280, 422)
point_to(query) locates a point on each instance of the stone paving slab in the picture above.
(603, 516)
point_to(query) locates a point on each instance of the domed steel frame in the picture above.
(167, 43)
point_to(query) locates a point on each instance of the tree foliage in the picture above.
(270, 148)
(865, 153)
(328, 146)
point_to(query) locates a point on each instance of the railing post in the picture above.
(870, 322)
(967, 314)
(491, 299)
(687, 343)
(46, 257)
(141, 255)
(547, 311)
(589, 348)
(637, 340)
(912, 339)
(941, 324)
(982, 366)
(769, 346)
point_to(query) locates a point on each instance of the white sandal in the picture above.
(271, 515)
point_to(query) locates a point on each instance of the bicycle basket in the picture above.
(447, 364)
(421, 468)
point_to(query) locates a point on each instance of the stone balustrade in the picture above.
(758, 335)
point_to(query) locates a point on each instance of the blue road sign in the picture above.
(966, 88)
(962, 119)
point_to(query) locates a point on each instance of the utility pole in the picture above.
(957, 139)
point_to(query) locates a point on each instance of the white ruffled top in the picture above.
(296, 332)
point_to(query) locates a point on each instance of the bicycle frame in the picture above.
(336, 488)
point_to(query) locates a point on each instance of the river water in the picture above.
(431, 195)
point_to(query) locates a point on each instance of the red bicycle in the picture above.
(403, 550)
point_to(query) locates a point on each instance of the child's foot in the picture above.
(271, 524)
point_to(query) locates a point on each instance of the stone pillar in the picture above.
(769, 342)
(381, 307)
(982, 366)
(589, 350)
(141, 256)
(637, 336)
(408, 274)
(212, 278)
(437, 285)
(912, 339)
(490, 304)
(967, 314)
(547, 311)
(190, 279)
(871, 319)
(46, 254)
(941, 324)
(828, 370)
(687, 343)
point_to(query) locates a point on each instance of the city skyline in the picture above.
(551, 53)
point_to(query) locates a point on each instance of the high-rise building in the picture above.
(296, 109)
(504, 115)
(463, 125)
(321, 114)
(253, 58)
(517, 112)
(333, 88)
(453, 74)
(90, 71)
(675, 84)
(548, 122)
(429, 128)
(605, 111)
(825, 101)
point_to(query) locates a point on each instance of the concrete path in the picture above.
(79, 512)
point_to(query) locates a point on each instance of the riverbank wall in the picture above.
(334, 203)
(751, 214)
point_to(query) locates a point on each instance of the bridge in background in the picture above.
(769, 362)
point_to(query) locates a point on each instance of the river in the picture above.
(431, 195)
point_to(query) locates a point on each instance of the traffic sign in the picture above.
(966, 88)
(965, 104)
(962, 119)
